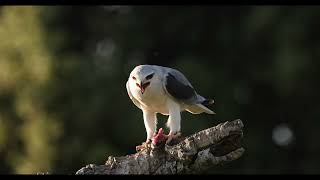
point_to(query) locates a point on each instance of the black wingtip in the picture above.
(208, 102)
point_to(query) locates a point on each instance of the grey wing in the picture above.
(178, 86)
(136, 102)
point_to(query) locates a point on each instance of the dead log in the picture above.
(195, 154)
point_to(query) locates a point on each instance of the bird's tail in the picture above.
(200, 108)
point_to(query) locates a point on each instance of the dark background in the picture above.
(63, 70)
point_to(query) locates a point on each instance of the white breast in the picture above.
(153, 99)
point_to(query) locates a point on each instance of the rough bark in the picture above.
(195, 154)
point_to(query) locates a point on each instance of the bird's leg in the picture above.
(150, 122)
(174, 121)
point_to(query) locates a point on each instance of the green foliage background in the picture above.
(63, 69)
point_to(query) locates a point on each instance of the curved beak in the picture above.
(143, 86)
(142, 89)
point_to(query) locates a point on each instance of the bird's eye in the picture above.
(134, 78)
(149, 76)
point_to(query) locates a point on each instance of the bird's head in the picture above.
(142, 77)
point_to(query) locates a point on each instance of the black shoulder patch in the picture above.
(179, 90)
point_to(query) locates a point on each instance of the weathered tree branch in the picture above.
(195, 154)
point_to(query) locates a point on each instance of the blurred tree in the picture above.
(28, 133)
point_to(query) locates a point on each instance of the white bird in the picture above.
(157, 89)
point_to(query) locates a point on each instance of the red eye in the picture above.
(133, 77)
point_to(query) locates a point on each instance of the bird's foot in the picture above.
(144, 145)
(171, 137)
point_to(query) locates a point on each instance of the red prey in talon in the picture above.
(161, 137)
